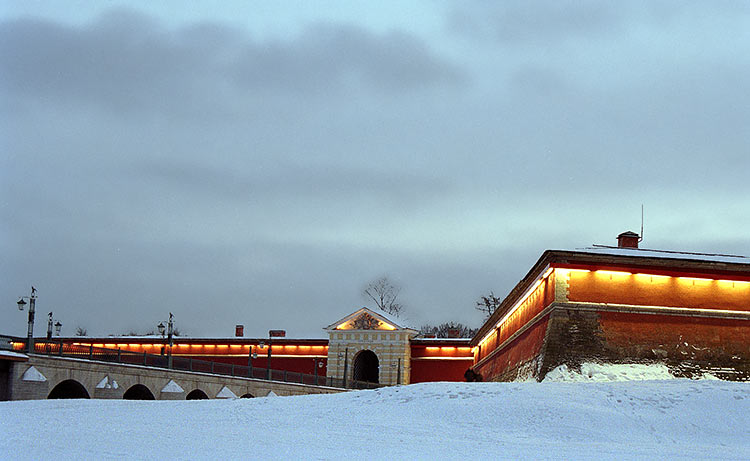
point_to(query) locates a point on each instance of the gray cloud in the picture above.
(326, 58)
(127, 62)
(553, 23)
(233, 177)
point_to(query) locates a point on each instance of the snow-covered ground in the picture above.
(649, 420)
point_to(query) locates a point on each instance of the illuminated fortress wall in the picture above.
(693, 316)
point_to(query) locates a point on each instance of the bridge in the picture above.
(57, 370)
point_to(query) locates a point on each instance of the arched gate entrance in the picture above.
(366, 367)
(69, 389)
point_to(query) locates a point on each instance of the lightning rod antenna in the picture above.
(640, 239)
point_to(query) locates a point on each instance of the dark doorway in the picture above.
(196, 394)
(138, 392)
(366, 367)
(4, 379)
(69, 389)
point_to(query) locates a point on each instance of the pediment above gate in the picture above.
(365, 319)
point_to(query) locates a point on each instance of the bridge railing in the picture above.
(64, 349)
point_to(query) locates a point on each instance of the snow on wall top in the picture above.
(226, 393)
(107, 383)
(172, 386)
(32, 374)
(665, 254)
(12, 355)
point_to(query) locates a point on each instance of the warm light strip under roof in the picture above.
(549, 271)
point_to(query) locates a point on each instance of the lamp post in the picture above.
(252, 355)
(261, 345)
(345, 355)
(170, 331)
(57, 326)
(32, 305)
(268, 363)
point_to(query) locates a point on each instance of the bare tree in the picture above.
(448, 330)
(81, 331)
(384, 294)
(488, 304)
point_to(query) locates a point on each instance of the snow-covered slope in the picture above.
(650, 420)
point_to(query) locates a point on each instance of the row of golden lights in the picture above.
(652, 276)
(445, 349)
(236, 347)
(204, 347)
(611, 274)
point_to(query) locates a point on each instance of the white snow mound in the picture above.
(32, 374)
(226, 393)
(669, 420)
(172, 386)
(597, 372)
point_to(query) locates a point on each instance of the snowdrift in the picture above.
(663, 419)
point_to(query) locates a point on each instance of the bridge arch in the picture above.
(69, 389)
(196, 394)
(366, 367)
(138, 392)
(247, 396)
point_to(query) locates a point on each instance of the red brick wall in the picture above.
(658, 291)
(439, 370)
(675, 337)
(543, 296)
(522, 350)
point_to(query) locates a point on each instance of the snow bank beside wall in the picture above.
(676, 419)
(597, 372)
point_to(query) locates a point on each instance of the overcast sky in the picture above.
(261, 162)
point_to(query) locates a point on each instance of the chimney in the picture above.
(239, 330)
(628, 239)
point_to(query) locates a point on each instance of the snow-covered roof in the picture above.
(441, 340)
(392, 320)
(14, 356)
(665, 254)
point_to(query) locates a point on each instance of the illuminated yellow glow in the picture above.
(734, 281)
(563, 271)
(653, 276)
(548, 272)
(341, 327)
(605, 272)
(433, 348)
(695, 279)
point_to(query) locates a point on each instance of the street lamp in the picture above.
(260, 345)
(345, 356)
(32, 304)
(252, 355)
(170, 331)
(57, 326)
(268, 362)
